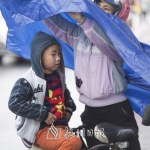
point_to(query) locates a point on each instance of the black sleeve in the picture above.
(69, 102)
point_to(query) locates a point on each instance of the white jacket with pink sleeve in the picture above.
(98, 67)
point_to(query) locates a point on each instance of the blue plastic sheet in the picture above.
(23, 20)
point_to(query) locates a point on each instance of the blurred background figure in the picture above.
(145, 5)
(139, 14)
(135, 6)
(135, 12)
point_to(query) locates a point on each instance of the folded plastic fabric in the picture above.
(23, 20)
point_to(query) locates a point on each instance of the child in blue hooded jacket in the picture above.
(41, 101)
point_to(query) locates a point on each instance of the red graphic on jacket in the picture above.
(56, 100)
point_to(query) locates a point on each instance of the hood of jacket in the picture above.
(39, 43)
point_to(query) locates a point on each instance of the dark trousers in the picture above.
(120, 114)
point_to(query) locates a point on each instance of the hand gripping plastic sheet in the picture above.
(23, 20)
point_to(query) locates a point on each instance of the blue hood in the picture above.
(39, 43)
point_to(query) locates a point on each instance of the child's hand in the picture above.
(77, 16)
(50, 119)
(68, 116)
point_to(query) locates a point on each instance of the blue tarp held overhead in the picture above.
(23, 18)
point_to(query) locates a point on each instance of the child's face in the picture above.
(50, 58)
(108, 8)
